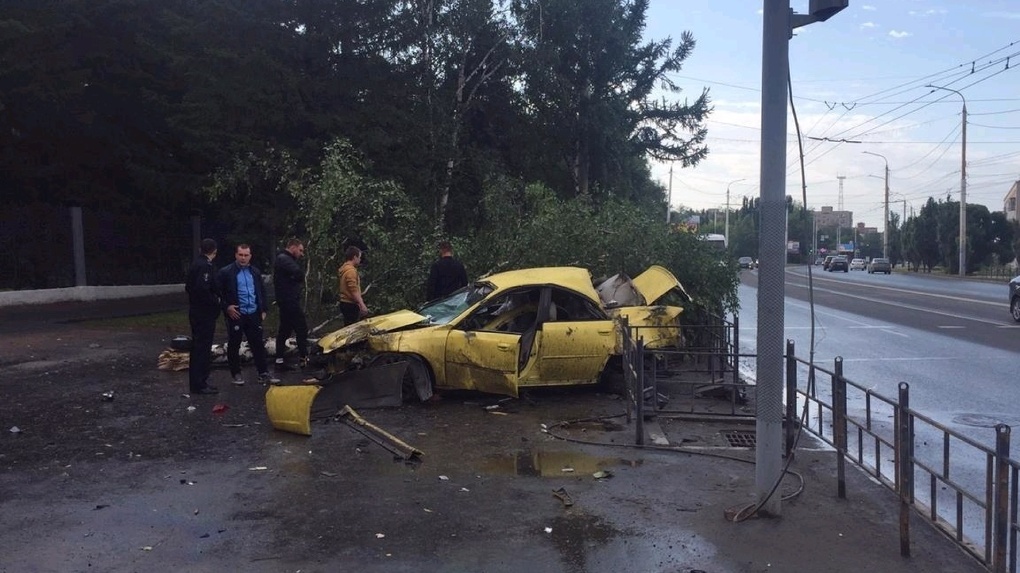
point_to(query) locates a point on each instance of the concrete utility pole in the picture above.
(778, 24)
(963, 183)
(885, 233)
(726, 233)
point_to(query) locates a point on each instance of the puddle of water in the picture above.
(550, 463)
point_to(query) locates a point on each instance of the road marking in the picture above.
(910, 306)
(903, 359)
(952, 326)
(907, 291)
(1010, 326)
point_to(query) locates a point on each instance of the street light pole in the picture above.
(885, 223)
(963, 182)
(726, 233)
(778, 22)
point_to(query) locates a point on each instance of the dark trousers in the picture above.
(292, 319)
(203, 329)
(350, 311)
(249, 326)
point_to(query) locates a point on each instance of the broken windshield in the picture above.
(443, 310)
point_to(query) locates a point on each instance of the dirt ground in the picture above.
(142, 482)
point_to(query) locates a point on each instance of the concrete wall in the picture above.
(85, 293)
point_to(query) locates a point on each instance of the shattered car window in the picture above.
(512, 312)
(443, 310)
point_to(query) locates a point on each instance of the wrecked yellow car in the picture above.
(545, 326)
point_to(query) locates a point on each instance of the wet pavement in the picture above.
(141, 482)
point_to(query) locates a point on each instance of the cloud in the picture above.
(899, 34)
(868, 25)
(1003, 15)
(929, 12)
(868, 7)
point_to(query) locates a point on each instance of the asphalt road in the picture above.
(952, 341)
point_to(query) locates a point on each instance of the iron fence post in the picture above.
(1002, 432)
(839, 424)
(736, 351)
(639, 383)
(791, 395)
(904, 465)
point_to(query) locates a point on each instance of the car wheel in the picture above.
(612, 378)
(846, 270)
(1014, 308)
(417, 378)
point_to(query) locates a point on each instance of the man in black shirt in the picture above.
(446, 275)
(288, 280)
(203, 311)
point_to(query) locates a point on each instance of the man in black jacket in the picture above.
(288, 280)
(203, 306)
(446, 275)
(244, 304)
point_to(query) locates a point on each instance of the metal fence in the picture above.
(966, 489)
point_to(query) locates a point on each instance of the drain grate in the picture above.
(740, 439)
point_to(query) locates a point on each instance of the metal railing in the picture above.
(968, 490)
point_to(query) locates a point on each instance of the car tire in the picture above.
(1014, 308)
(846, 270)
(417, 378)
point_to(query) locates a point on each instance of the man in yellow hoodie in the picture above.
(352, 306)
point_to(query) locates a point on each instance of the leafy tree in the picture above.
(587, 87)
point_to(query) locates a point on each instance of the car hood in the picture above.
(361, 330)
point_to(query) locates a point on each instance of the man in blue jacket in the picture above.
(244, 305)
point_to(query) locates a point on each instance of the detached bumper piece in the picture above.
(293, 408)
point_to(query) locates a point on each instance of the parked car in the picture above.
(857, 265)
(819, 260)
(879, 265)
(827, 262)
(839, 263)
(746, 262)
(531, 327)
(1014, 298)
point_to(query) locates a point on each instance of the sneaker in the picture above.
(267, 378)
(237, 380)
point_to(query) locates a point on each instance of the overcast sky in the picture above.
(860, 76)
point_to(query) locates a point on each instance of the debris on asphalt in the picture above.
(220, 408)
(567, 470)
(498, 413)
(443, 478)
(257, 468)
(203, 536)
(233, 425)
(15, 430)
(191, 408)
(187, 482)
(562, 495)
(464, 489)
(395, 445)
(492, 407)
(380, 535)
(328, 474)
(95, 345)
(602, 474)
(147, 548)
(108, 396)
(101, 506)
(548, 530)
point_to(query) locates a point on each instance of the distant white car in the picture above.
(858, 265)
